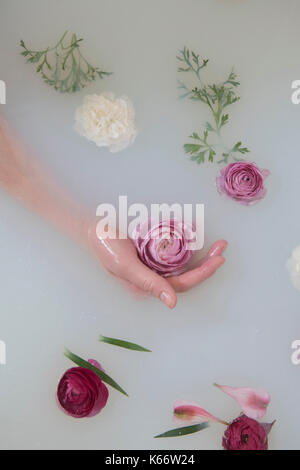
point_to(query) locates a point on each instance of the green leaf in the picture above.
(36, 57)
(191, 148)
(209, 127)
(200, 157)
(195, 58)
(123, 344)
(103, 376)
(195, 136)
(211, 155)
(239, 148)
(224, 119)
(103, 74)
(70, 71)
(184, 430)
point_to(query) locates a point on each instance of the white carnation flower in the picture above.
(107, 121)
(293, 266)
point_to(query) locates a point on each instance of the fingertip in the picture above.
(218, 248)
(174, 302)
(169, 299)
(224, 243)
(216, 262)
(222, 260)
(210, 267)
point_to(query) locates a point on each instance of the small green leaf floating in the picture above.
(123, 344)
(184, 431)
(103, 376)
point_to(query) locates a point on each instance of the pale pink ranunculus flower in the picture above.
(243, 182)
(163, 247)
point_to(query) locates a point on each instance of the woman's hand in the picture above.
(120, 258)
(23, 178)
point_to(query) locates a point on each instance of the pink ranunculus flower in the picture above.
(163, 247)
(246, 434)
(81, 393)
(243, 182)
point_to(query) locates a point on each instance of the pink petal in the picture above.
(265, 173)
(268, 426)
(253, 402)
(192, 412)
(95, 364)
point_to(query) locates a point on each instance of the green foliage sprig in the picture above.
(63, 66)
(217, 97)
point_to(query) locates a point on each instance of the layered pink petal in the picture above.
(242, 181)
(163, 247)
(193, 412)
(253, 402)
(81, 393)
(245, 433)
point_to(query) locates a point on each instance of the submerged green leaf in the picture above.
(184, 431)
(123, 344)
(191, 148)
(70, 71)
(103, 376)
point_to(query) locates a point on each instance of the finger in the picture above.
(151, 283)
(194, 277)
(217, 248)
(133, 288)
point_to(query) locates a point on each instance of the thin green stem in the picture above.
(61, 40)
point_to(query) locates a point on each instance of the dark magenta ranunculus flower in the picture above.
(81, 393)
(163, 247)
(243, 182)
(245, 434)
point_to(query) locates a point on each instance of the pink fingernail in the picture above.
(166, 299)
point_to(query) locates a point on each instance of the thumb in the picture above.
(151, 283)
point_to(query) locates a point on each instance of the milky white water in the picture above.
(235, 329)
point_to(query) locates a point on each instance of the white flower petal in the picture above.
(107, 121)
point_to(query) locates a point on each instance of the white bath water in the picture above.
(235, 329)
